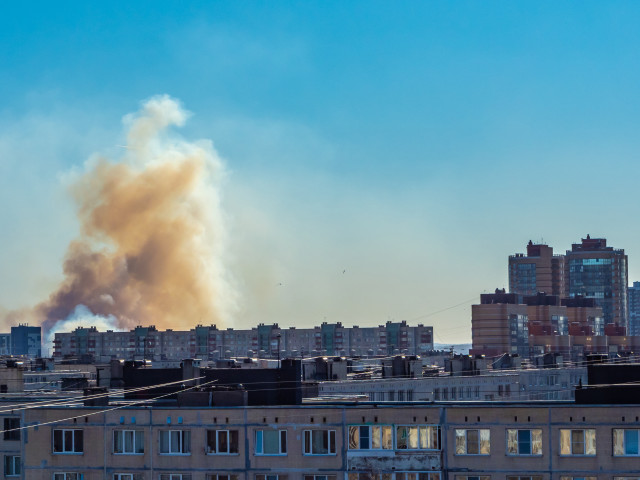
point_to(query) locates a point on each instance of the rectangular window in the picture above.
(418, 437)
(578, 442)
(174, 476)
(175, 442)
(67, 441)
(369, 476)
(625, 442)
(524, 442)
(128, 442)
(370, 437)
(11, 429)
(320, 477)
(270, 477)
(222, 442)
(221, 476)
(319, 442)
(128, 476)
(67, 476)
(473, 441)
(417, 476)
(527, 477)
(11, 466)
(473, 477)
(271, 442)
(565, 477)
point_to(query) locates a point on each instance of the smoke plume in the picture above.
(152, 234)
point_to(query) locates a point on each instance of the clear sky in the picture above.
(383, 158)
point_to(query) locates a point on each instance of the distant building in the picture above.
(499, 324)
(594, 270)
(537, 271)
(5, 344)
(209, 343)
(537, 324)
(26, 340)
(634, 309)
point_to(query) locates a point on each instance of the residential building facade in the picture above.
(407, 441)
(208, 342)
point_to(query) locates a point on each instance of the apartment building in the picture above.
(598, 271)
(207, 342)
(514, 385)
(537, 271)
(367, 441)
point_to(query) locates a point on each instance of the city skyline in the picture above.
(366, 146)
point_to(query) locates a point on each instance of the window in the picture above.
(319, 442)
(527, 477)
(563, 477)
(369, 476)
(67, 441)
(271, 442)
(128, 476)
(175, 442)
(417, 476)
(270, 477)
(625, 442)
(524, 442)
(175, 476)
(370, 437)
(418, 437)
(578, 442)
(473, 477)
(11, 429)
(11, 466)
(473, 442)
(319, 477)
(218, 476)
(67, 476)
(128, 442)
(222, 442)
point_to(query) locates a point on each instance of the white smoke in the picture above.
(80, 317)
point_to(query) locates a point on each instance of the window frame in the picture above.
(406, 475)
(531, 442)
(79, 476)
(429, 437)
(128, 476)
(182, 453)
(16, 461)
(282, 446)
(466, 441)
(273, 476)
(584, 442)
(123, 432)
(175, 476)
(307, 442)
(65, 451)
(624, 442)
(371, 438)
(221, 476)
(11, 429)
(228, 432)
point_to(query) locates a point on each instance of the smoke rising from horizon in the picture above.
(152, 234)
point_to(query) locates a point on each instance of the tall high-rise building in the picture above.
(537, 271)
(26, 340)
(634, 309)
(594, 270)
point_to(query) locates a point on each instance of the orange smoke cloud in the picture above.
(152, 233)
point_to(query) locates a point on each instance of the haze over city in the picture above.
(355, 163)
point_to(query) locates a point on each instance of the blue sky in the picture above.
(413, 144)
